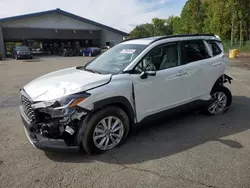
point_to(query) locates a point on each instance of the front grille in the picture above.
(28, 110)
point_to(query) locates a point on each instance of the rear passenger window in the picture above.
(214, 47)
(195, 50)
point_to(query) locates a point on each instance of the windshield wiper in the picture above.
(93, 71)
(89, 70)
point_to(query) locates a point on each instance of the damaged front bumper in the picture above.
(41, 142)
(53, 125)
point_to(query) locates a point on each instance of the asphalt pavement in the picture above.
(185, 150)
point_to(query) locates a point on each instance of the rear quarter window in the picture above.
(214, 47)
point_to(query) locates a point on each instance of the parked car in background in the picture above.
(65, 51)
(82, 50)
(92, 51)
(20, 52)
(1, 56)
(104, 49)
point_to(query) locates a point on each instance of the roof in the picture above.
(145, 41)
(150, 40)
(64, 13)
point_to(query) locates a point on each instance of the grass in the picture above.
(244, 48)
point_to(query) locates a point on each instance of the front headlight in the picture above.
(62, 107)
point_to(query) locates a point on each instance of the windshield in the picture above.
(116, 59)
(24, 48)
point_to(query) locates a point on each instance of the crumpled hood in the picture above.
(64, 82)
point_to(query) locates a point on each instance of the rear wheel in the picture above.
(220, 102)
(105, 130)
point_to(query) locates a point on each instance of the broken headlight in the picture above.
(61, 107)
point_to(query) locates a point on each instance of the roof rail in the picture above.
(170, 36)
(185, 35)
(135, 38)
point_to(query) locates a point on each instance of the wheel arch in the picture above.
(119, 101)
(221, 80)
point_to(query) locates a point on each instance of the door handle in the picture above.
(216, 64)
(180, 74)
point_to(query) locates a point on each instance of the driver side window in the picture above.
(160, 58)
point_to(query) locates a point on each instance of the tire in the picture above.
(219, 91)
(88, 143)
(31, 57)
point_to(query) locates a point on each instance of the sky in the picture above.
(120, 14)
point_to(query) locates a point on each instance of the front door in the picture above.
(167, 89)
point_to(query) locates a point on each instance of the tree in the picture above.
(230, 19)
(174, 24)
(158, 27)
(193, 17)
(144, 30)
(218, 21)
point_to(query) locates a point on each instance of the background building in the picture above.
(49, 30)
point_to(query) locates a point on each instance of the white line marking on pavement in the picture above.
(246, 86)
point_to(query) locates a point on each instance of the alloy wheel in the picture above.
(108, 133)
(219, 103)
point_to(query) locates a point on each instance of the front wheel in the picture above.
(105, 130)
(221, 99)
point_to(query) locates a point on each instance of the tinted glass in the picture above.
(169, 56)
(161, 57)
(116, 59)
(215, 48)
(25, 48)
(195, 50)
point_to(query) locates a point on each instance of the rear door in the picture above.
(202, 68)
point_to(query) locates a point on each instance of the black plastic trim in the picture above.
(221, 80)
(170, 36)
(117, 100)
(196, 105)
(227, 78)
(186, 35)
(43, 143)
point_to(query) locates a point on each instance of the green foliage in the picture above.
(230, 19)
(158, 27)
(192, 17)
(144, 30)
(218, 21)
(245, 47)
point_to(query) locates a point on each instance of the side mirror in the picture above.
(145, 74)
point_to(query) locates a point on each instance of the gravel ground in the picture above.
(189, 150)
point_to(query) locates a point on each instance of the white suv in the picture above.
(97, 105)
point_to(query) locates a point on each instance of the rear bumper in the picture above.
(41, 142)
